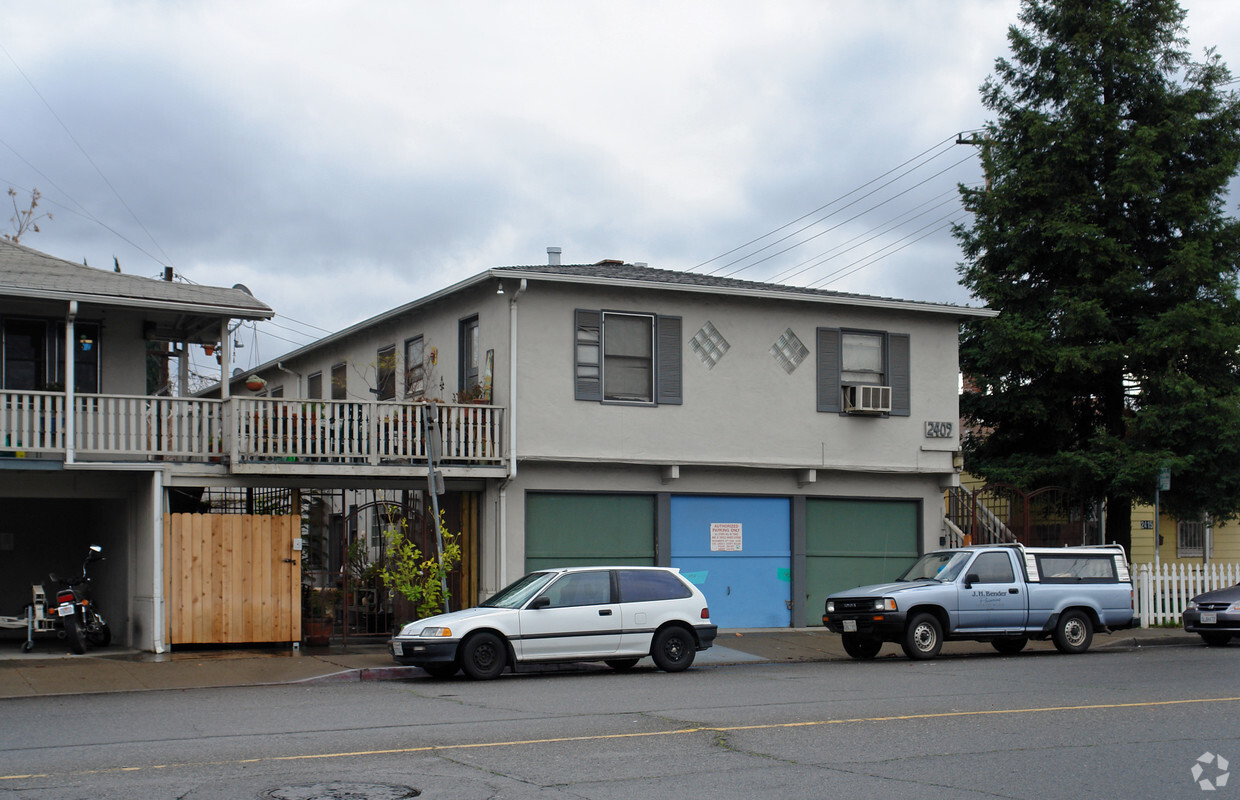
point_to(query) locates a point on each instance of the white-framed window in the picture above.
(1191, 538)
(627, 357)
(385, 372)
(340, 381)
(415, 367)
(862, 358)
(314, 386)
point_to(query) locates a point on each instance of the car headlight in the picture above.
(885, 604)
(830, 606)
(436, 632)
(1234, 607)
(1192, 606)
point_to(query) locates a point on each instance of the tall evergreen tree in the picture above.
(1102, 238)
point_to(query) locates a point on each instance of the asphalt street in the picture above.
(1130, 723)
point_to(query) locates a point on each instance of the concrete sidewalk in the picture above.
(49, 670)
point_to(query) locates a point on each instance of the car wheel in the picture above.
(1216, 639)
(862, 648)
(923, 638)
(483, 656)
(1011, 645)
(1074, 633)
(673, 649)
(622, 664)
(440, 671)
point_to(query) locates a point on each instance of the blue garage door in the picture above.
(738, 551)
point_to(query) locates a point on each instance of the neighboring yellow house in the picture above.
(1182, 541)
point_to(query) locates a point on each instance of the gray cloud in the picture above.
(344, 158)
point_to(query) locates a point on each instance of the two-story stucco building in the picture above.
(775, 443)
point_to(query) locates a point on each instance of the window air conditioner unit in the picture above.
(863, 399)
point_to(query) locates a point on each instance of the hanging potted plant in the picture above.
(255, 383)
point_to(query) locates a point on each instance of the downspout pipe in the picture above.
(280, 366)
(157, 591)
(512, 380)
(70, 380)
(512, 433)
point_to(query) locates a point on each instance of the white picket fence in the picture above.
(1162, 594)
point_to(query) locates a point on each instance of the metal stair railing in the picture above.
(978, 523)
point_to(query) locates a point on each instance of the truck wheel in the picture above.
(1216, 639)
(1010, 645)
(1074, 633)
(861, 648)
(923, 638)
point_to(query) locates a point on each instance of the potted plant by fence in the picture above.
(318, 614)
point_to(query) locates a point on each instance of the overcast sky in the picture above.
(343, 158)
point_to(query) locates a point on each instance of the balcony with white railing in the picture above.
(250, 434)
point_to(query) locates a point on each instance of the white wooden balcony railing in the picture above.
(120, 427)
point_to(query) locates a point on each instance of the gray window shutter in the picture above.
(898, 373)
(829, 370)
(667, 359)
(587, 374)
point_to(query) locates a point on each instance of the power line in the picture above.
(824, 217)
(934, 227)
(877, 231)
(852, 218)
(82, 150)
(822, 207)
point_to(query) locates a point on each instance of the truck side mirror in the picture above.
(971, 579)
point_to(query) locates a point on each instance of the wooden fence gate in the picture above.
(231, 578)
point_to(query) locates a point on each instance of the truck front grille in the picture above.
(855, 604)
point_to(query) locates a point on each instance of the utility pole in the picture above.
(984, 143)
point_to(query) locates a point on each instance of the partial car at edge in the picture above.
(1215, 616)
(616, 615)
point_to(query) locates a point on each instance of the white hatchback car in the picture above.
(615, 615)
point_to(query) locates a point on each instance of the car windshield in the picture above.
(515, 595)
(942, 566)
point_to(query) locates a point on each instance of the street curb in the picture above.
(360, 674)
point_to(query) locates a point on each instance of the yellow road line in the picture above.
(606, 736)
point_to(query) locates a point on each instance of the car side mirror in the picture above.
(971, 579)
(542, 601)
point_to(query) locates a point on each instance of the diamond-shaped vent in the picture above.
(709, 344)
(789, 351)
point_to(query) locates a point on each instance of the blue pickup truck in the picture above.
(1002, 594)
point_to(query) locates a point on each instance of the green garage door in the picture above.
(568, 530)
(854, 542)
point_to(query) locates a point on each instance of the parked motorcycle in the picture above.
(80, 617)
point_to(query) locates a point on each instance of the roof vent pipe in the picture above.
(553, 256)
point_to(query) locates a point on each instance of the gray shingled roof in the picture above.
(633, 273)
(29, 273)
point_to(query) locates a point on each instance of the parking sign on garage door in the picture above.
(738, 551)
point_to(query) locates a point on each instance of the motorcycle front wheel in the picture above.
(75, 632)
